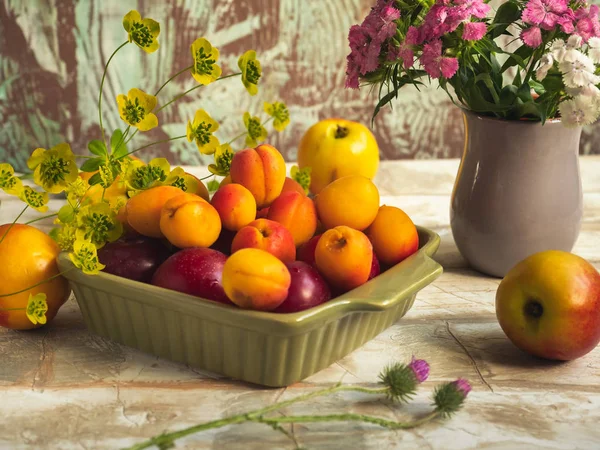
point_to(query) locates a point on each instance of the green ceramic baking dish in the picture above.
(258, 347)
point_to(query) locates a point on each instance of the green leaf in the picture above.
(212, 185)
(91, 165)
(66, 214)
(97, 147)
(95, 179)
(520, 57)
(117, 139)
(506, 14)
(398, 84)
(537, 87)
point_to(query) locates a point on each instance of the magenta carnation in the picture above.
(474, 7)
(367, 40)
(462, 386)
(406, 49)
(587, 25)
(532, 37)
(420, 368)
(435, 64)
(474, 31)
(544, 13)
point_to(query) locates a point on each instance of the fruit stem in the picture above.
(341, 132)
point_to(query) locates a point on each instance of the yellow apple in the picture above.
(549, 305)
(335, 148)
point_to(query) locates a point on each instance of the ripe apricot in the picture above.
(187, 220)
(143, 209)
(202, 190)
(292, 185)
(266, 235)
(255, 279)
(236, 206)
(393, 234)
(261, 171)
(352, 201)
(344, 257)
(297, 213)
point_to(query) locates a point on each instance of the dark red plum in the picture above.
(306, 252)
(307, 289)
(195, 271)
(134, 258)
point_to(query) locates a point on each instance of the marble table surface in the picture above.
(64, 388)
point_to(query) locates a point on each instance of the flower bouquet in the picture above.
(534, 59)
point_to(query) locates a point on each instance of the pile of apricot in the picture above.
(261, 243)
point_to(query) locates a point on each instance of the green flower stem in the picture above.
(26, 176)
(41, 218)
(246, 132)
(13, 223)
(84, 156)
(177, 97)
(102, 87)
(122, 137)
(151, 144)
(47, 280)
(349, 417)
(255, 416)
(172, 78)
(206, 177)
(131, 137)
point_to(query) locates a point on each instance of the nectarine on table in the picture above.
(236, 206)
(297, 213)
(266, 235)
(549, 305)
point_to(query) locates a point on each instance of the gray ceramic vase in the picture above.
(517, 191)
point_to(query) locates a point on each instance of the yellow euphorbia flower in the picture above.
(256, 132)
(280, 114)
(136, 108)
(223, 158)
(98, 224)
(64, 236)
(8, 182)
(251, 71)
(37, 200)
(144, 32)
(85, 257)
(37, 308)
(184, 181)
(53, 169)
(302, 176)
(201, 131)
(205, 56)
(140, 176)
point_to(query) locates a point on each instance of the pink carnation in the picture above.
(474, 31)
(545, 13)
(532, 37)
(367, 40)
(587, 25)
(406, 49)
(474, 7)
(435, 64)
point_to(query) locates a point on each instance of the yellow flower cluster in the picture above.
(98, 189)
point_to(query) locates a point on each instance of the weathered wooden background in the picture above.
(52, 53)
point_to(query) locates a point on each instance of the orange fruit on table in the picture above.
(336, 148)
(143, 210)
(28, 256)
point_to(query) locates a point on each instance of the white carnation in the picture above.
(558, 49)
(579, 111)
(546, 63)
(594, 49)
(579, 73)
